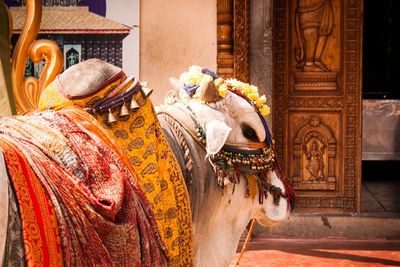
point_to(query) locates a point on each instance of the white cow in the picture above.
(220, 213)
(219, 217)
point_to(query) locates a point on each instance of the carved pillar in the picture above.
(233, 39)
(241, 39)
(225, 38)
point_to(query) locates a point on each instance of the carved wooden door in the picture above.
(317, 100)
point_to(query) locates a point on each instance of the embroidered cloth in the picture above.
(140, 137)
(78, 182)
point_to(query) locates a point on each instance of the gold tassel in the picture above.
(252, 185)
(111, 118)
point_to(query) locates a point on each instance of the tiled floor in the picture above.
(298, 252)
(380, 198)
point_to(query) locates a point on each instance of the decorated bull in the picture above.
(98, 179)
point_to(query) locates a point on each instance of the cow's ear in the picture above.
(216, 132)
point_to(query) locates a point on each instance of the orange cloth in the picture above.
(39, 222)
(141, 139)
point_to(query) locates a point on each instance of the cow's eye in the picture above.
(249, 132)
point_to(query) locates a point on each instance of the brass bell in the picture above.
(134, 105)
(124, 111)
(111, 118)
(146, 92)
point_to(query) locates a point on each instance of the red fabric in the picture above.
(104, 220)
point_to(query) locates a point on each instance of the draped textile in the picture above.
(40, 233)
(140, 137)
(3, 207)
(103, 217)
(14, 252)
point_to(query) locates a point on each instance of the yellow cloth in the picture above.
(141, 138)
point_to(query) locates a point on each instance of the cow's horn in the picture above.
(209, 92)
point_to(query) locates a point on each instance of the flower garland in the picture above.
(197, 76)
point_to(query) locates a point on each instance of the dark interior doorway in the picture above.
(381, 107)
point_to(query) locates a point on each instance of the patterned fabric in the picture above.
(141, 139)
(40, 232)
(14, 253)
(103, 219)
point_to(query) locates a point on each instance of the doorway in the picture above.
(381, 108)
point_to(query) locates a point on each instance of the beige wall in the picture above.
(174, 35)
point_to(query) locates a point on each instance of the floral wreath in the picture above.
(197, 76)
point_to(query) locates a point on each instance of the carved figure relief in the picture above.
(314, 151)
(315, 157)
(327, 32)
(313, 24)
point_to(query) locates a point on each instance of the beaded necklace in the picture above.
(232, 162)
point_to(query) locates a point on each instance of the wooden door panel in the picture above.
(317, 97)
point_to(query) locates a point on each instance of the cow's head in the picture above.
(233, 121)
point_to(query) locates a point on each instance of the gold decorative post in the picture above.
(27, 92)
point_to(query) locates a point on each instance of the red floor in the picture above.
(295, 252)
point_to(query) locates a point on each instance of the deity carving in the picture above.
(314, 23)
(314, 156)
(315, 165)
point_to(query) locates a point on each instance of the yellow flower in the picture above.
(265, 110)
(219, 81)
(245, 90)
(222, 90)
(253, 89)
(253, 96)
(194, 78)
(205, 79)
(261, 101)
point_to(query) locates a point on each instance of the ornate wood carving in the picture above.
(27, 92)
(233, 39)
(317, 100)
(225, 38)
(241, 39)
(314, 160)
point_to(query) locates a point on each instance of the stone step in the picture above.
(340, 226)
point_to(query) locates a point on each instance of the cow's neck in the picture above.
(218, 235)
(219, 219)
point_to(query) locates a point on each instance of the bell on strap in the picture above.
(134, 105)
(111, 118)
(146, 92)
(124, 111)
